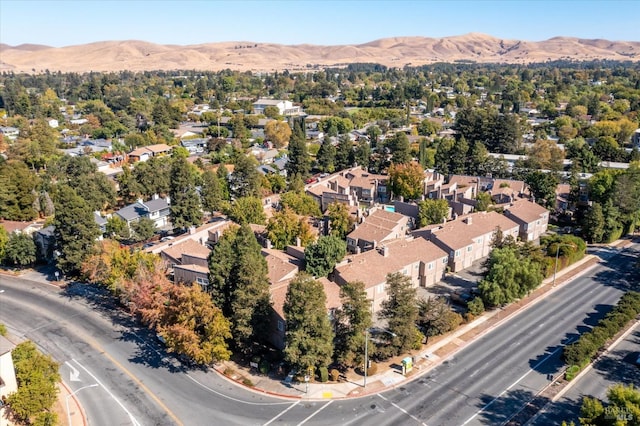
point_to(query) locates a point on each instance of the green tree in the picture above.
(435, 316)
(326, 157)
(362, 154)
(432, 211)
(322, 256)
(406, 180)
(301, 203)
(128, 188)
(75, 229)
(308, 336)
(458, 157)
(400, 148)
(185, 201)
(344, 153)
(299, 161)
(250, 303)
(401, 312)
(543, 187)
(277, 132)
(117, 228)
(594, 224)
(483, 201)
(20, 250)
(17, 189)
(443, 155)
(245, 179)
(143, 229)
(211, 192)
(245, 210)
(353, 320)
(4, 239)
(340, 220)
(37, 376)
(285, 226)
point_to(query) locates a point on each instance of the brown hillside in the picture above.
(396, 52)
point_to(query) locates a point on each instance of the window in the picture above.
(457, 253)
(380, 288)
(444, 260)
(469, 249)
(430, 266)
(280, 325)
(204, 283)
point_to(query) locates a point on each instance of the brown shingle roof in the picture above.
(461, 232)
(188, 246)
(526, 210)
(372, 267)
(281, 265)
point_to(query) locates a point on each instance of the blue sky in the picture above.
(326, 22)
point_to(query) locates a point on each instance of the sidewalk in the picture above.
(389, 376)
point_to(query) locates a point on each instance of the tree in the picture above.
(299, 161)
(443, 156)
(432, 211)
(4, 239)
(543, 187)
(128, 188)
(185, 201)
(143, 229)
(20, 250)
(344, 153)
(193, 326)
(406, 180)
(249, 302)
(245, 210)
(362, 154)
(301, 203)
(322, 256)
(326, 156)
(285, 226)
(594, 224)
(401, 311)
(435, 317)
(17, 189)
(400, 148)
(245, 179)
(483, 201)
(37, 376)
(277, 132)
(75, 229)
(353, 320)
(340, 220)
(308, 336)
(211, 192)
(458, 157)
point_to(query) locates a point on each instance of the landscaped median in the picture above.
(580, 353)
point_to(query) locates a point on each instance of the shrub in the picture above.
(335, 375)
(247, 382)
(3, 330)
(373, 369)
(571, 372)
(229, 372)
(323, 374)
(476, 306)
(264, 367)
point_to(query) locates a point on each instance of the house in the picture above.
(53, 123)
(468, 238)
(378, 227)
(563, 196)
(101, 222)
(421, 260)
(284, 107)
(156, 209)
(532, 218)
(10, 133)
(195, 145)
(26, 227)
(206, 235)
(144, 153)
(45, 241)
(8, 382)
(188, 260)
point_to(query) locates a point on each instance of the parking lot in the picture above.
(461, 282)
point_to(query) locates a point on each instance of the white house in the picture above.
(284, 107)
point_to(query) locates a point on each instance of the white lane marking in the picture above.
(281, 413)
(131, 417)
(315, 412)
(232, 398)
(74, 375)
(404, 411)
(514, 383)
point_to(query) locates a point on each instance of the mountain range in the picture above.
(267, 57)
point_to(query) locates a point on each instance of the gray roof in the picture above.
(157, 204)
(5, 345)
(101, 221)
(266, 169)
(132, 211)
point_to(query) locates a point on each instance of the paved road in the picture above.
(485, 383)
(618, 366)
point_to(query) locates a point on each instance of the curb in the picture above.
(83, 415)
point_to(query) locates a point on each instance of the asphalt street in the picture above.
(487, 382)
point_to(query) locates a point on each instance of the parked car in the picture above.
(461, 297)
(165, 239)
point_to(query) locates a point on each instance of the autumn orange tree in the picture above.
(406, 180)
(278, 132)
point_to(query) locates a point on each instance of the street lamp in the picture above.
(366, 350)
(70, 395)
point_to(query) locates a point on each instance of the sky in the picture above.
(321, 22)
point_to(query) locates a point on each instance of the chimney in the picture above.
(268, 244)
(468, 220)
(298, 242)
(385, 251)
(155, 196)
